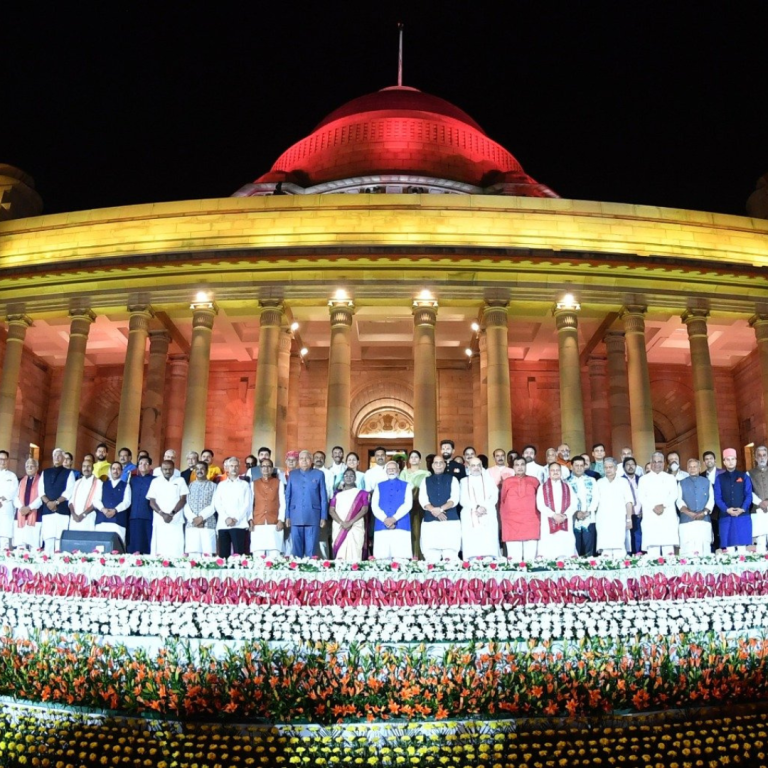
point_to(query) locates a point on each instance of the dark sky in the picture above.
(644, 102)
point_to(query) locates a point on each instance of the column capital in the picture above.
(696, 321)
(80, 321)
(425, 311)
(17, 326)
(203, 314)
(615, 341)
(567, 318)
(159, 341)
(495, 313)
(759, 322)
(633, 316)
(341, 311)
(272, 311)
(141, 314)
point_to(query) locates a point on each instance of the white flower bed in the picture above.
(22, 614)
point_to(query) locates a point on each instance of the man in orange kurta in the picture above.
(520, 523)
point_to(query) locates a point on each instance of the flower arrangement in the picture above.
(371, 624)
(68, 740)
(322, 683)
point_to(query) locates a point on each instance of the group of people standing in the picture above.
(452, 506)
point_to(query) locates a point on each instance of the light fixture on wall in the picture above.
(294, 326)
(303, 351)
(568, 301)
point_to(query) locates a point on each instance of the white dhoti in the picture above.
(479, 531)
(7, 520)
(112, 528)
(760, 529)
(88, 523)
(167, 538)
(440, 540)
(28, 536)
(695, 538)
(388, 545)
(51, 528)
(266, 540)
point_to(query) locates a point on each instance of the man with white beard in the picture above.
(759, 477)
(479, 519)
(9, 485)
(441, 529)
(557, 503)
(657, 494)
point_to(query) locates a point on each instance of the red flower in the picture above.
(268, 563)
(627, 563)
(293, 565)
(465, 564)
(219, 561)
(493, 566)
(395, 566)
(326, 564)
(355, 567)
(661, 561)
(430, 566)
(244, 563)
(102, 561)
(166, 563)
(193, 563)
(560, 564)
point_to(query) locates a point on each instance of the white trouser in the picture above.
(667, 550)
(522, 550)
(615, 553)
(761, 542)
(696, 538)
(392, 544)
(441, 540)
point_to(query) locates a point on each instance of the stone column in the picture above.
(9, 383)
(337, 425)
(499, 408)
(424, 377)
(283, 382)
(72, 383)
(571, 402)
(151, 437)
(480, 378)
(294, 386)
(703, 381)
(129, 417)
(193, 438)
(600, 411)
(760, 323)
(265, 394)
(618, 392)
(640, 408)
(174, 411)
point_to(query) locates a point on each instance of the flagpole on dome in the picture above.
(400, 56)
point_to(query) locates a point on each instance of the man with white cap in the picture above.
(733, 499)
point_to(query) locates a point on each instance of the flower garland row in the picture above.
(119, 618)
(320, 684)
(204, 563)
(68, 741)
(393, 591)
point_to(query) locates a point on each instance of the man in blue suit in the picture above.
(306, 506)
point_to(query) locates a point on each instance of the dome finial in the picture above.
(400, 26)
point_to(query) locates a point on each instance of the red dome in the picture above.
(397, 130)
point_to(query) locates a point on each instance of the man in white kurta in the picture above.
(167, 496)
(233, 502)
(439, 496)
(556, 503)
(377, 473)
(82, 505)
(759, 476)
(657, 495)
(479, 519)
(9, 486)
(613, 519)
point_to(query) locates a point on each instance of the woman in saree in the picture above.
(348, 510)
(415, 475)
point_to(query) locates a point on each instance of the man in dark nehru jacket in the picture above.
(733, 499)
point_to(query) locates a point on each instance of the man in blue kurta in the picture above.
(140, 515)
(733, 499)
(306, 506)
(112, 508)
(391, 504)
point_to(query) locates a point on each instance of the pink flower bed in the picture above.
(388, 591)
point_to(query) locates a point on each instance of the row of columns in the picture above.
(629, 390)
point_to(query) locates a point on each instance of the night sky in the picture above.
(111, 104)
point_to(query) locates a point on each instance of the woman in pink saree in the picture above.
(348, 509)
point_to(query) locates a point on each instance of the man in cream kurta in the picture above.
(557, 503)
(614, 512)
(759, 477)
(479, 519)
(9, 485)
(167, 496)
(82, 505)
(657, 494)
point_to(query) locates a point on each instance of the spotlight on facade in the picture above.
(294, 326)
(304, 352)
(425, 295)
(475, 327)
(568, 301)
(468, 352)
(340, 295)
(202, 297)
